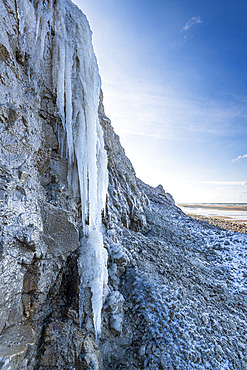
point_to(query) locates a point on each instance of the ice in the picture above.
(59, 60)
(102, 168)
(81, 152)
(68, 89)
(93, 266)
(5, 363)
(76, 86)
(27, 22)
(38, 21)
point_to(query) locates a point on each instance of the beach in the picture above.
(226, 216)
(240, 227)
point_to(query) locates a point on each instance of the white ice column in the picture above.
(60, 30)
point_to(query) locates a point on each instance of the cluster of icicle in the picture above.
(76, 84)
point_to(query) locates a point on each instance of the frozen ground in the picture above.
(185, 291)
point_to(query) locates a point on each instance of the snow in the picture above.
(76, 85)
(186, 309)
(229, 248)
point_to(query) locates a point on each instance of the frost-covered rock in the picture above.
(54, 167)
(173, 294)
(114, 305)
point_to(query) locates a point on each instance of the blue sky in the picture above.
(175, 87)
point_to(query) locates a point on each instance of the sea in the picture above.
(227, 211)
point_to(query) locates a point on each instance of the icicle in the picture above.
(38, 15)
(68, 89)
(93, 263)
(76, 85)
(59, 60)
(43, 32)
(102, 169)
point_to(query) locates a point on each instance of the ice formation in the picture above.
(76, 85)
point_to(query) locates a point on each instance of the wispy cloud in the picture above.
(191, 23)
(239, 157)
(147, 110)
(224, 183)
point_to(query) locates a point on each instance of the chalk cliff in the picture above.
(97, 269)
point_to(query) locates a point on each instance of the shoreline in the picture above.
(216, 206)
(229, 212)
(223, 223)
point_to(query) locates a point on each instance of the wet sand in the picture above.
(216, 206)
(235, 213)
(226, 224)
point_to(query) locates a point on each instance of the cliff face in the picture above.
(49, 99)
(176, 293)
(39, 232)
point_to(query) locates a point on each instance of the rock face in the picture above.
(176, 296)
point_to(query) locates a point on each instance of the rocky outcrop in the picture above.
(176, 295)
(39, 216)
